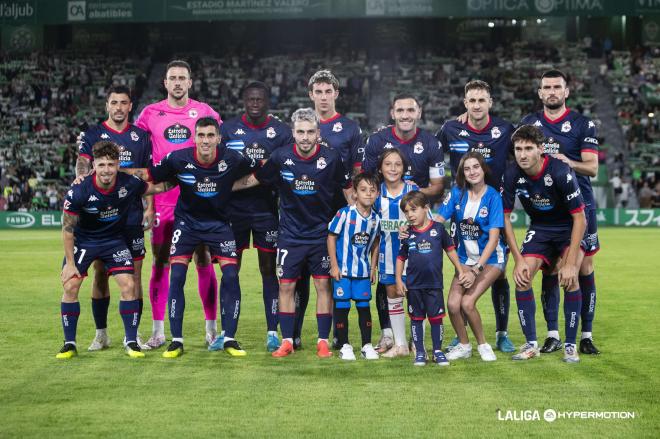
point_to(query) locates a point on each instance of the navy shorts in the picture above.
(591, 244)
(134, 237)
(348, 288)
(425, 302)
(292, 257)
(546, 244)
(115, 255)
(263, 229)
(389, 279)
(221, 242)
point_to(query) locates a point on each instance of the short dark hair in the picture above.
(323, 77)
(365, 176)
(414, 198)
(257, 85)
(120, 90)
(460, 173)
(554, 73)
(388, 152)
(207, 122)
(528, 133)
(105, 148)
(178, 63)
(400, 96)
(477, 84)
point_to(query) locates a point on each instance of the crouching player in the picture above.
(352, 247)
(95, 214)
(548, 190)
(423, 287)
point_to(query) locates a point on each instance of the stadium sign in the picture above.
(30, 220)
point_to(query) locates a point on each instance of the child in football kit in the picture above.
(423, 286)
(352, 246)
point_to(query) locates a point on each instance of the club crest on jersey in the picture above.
(239, 132)
(463, 133)
(547, 180)
(270, 132)
(337, 127)
(222, 166)
(134, 136)
(495, 133)
(340, 292)
(483, 212)
(320, 163)
(418, 148)
(105, 136)
(566, 127)
(192, 113)
(122, 192)
(433, 232)
(388, 145)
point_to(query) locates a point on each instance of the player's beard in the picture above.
(555, 105)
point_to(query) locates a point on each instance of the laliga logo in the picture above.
(76, 10)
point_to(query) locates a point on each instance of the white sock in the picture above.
(585, 335)
(159, 327)
(180, 340)
(70, 342)
(501, 334)
(228, 339)
(553, 334)
(534, 343)
(387, 332)
(103, 332)
(321, 339)
(467, 346)
(272, 333)
(397, 320)
(211, 326)
(290, 340)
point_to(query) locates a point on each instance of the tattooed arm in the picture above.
(68, 224)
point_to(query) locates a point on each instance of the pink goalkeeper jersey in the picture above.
(172, 129)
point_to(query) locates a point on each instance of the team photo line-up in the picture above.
(319, 202)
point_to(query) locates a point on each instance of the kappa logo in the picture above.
(463, 133)
(547, 180)
(190, 166)
(320, 163)
(289, 162)
(67, 204)
(134, 136)
(337, 127)
(91, 197)
(568, 178)
(239, 132)
(70, 193)
(522, 180)
(566, 127)
(591, 124)
(127, 263)
(418, 148)
(192, 113)
(388, 145)
(270, 133)
(105, 136)
(222, 166)
(122, 192)
(495, 133)
(537, 123)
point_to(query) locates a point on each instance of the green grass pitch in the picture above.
(206, 394)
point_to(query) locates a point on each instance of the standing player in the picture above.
(342, 134)
(307, 175)
(490, 136)
(171, 123)
(548, 190)
(571, 138)
(352, 247)
(135, 152)
(95, 213)
(205, 174)
(257, 134)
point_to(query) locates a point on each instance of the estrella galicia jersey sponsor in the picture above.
(549, 197)
(493, 142)
(256, 142)
(473, 220)
(423, 250)
(307, 186)
(570, 134)
(205, 188)
(355, 238)
(343, 134)
(388, 207)
(134, 152)
(422, 152)
(171, 129)
(102, 213)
